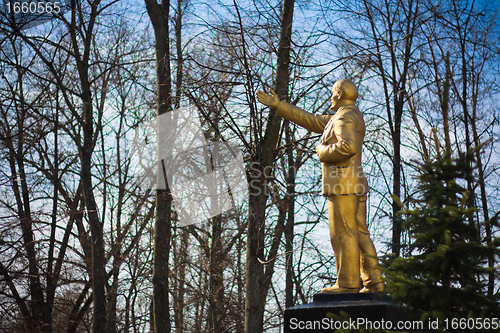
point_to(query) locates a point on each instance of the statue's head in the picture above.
(343, 92)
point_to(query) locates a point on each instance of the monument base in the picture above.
(365, 310)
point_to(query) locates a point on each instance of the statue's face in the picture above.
(336, 96)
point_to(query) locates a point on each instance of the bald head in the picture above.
(344, 92)
(346, 89)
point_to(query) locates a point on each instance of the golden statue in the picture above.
(344, 184)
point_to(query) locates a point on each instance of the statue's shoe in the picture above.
(374, 288)
(337, 289)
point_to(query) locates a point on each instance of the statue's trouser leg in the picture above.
(342, 215)
(369, 274)
(351, 241)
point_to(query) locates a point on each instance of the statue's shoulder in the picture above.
(351, 112)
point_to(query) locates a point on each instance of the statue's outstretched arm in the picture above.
(309, 121)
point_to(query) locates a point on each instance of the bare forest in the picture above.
(86, 247)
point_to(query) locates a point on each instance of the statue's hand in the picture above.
(268, 100)
(321, 150)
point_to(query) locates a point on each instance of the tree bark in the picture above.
(159, 16)
(290, 190)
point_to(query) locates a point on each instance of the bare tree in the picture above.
(159, 16)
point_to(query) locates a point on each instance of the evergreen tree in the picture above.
(444, 275)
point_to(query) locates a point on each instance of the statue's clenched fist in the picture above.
(268, 100)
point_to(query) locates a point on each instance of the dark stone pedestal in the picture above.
(364, 309)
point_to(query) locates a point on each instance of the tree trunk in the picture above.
(99, 276)
(255, 288)
(180, 271)
(290, 190)
(396, 185)
(481, 181)
(159, 16)
(216, 279)
(462, 30)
